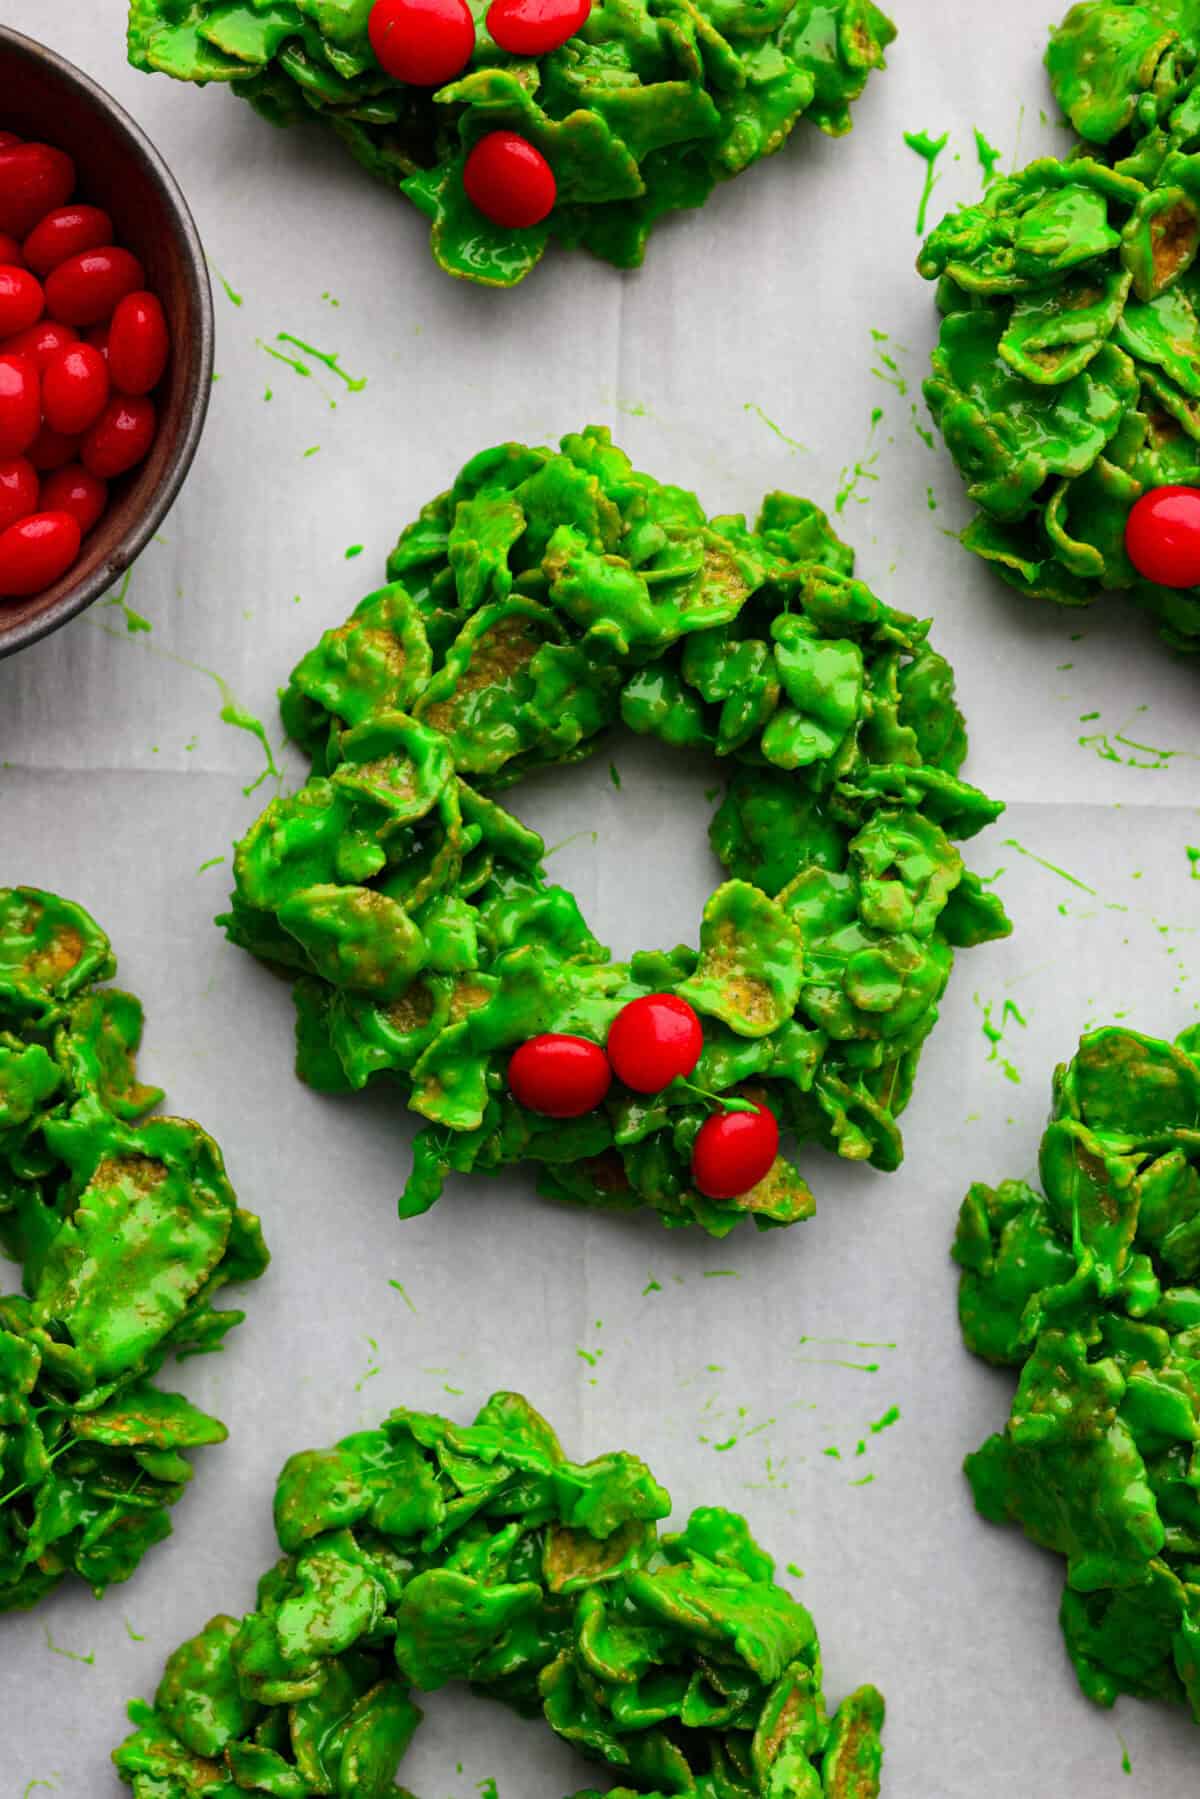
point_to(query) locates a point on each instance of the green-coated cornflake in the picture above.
(1091, 1289)
(548, 595)
(639, 114)
(427, 1552)
(126, 1228)
(1066, 379)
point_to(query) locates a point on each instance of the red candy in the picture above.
(509, 181)
(74, 389)
(33, 179)
(36, 552)
(559, 1076)
(20, 404)
(533, 27)
(41, 342)
(1162, 536)
(86, 288)
(654, 1040)
(73, 490)
(66, 231)
(138, 344)
(18, 490)
(733, 1151)
(22, 301)
(51, 450)
(121, 436)
(83, 343)
(423, 42)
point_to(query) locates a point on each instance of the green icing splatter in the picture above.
(354, 384)
(994, 1032)
(793, 443)
(356, 549)
(929, 149)
(134, 622)
(399, 1286)
(1011, 843)
(213, 862)
(1193, 856)
(988, 156)
(70, 1655)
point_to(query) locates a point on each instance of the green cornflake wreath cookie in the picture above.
(126, 1229)
(427, 1552)
(640, 113)
(1066, 380)
(1091, 1289)
(545, 597)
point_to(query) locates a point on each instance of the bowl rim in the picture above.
(199, 391)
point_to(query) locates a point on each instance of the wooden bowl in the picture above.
(44, 98)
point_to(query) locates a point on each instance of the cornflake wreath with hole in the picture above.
(1066, 378)
(546, 597)
(641, 113)
(427, 1552)
(126, 1229)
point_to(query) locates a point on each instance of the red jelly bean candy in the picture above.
(559, 1076)
(86, 289)
(533, 27)
(733, 1151)
(20, 404)
(654, 1040)
(18, 490)
(65, 232)
(36, 552)
(74, 389)
(509, 181)
(52, 449)
(423, 42)
(138, 344)
(73, 490)
(41, 343)
(22, 301)
(121, 436)
(1162, 536)
(33, 179)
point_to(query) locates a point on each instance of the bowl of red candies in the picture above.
(106, 341)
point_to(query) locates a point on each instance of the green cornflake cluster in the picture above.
(427, 1552)
(1092, 1289)
(639, 114)
(1066, 380)
(125, 1228)
(546, 597)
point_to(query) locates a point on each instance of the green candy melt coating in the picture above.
(639, 114)
(1091, 1289)
(427, 1552)
(126, 1228)
(546, 597)
(1066, 379)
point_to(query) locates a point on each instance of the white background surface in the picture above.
(119, 781)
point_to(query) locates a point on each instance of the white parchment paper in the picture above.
(736, 1369)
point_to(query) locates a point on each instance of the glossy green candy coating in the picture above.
(426, 1552)
(1066, 380)
(126, 1229)
(545, 597)
(1091, 1288)
(639, 114)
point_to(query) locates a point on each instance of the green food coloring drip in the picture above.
(929, 149)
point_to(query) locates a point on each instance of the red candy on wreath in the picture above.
(422, 42)
(510, 181)
(733, 1151)
(1162, 536)
(653, 1041)
(558, 1075)
(535, 27)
